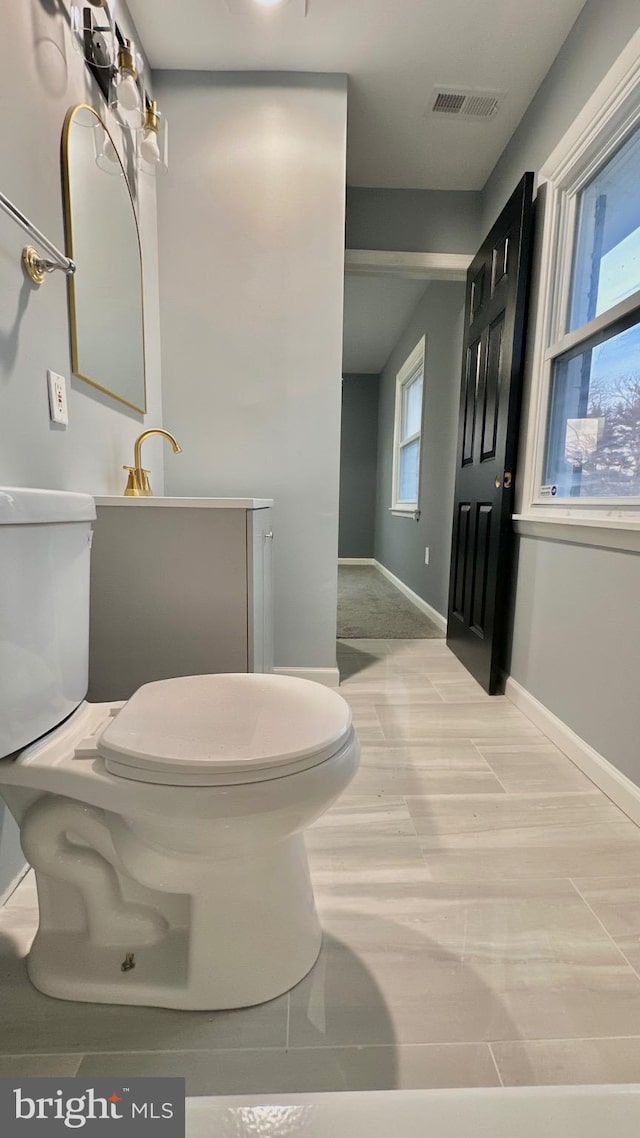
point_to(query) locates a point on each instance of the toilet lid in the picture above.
(199, 730)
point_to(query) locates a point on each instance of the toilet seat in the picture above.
(224, 729)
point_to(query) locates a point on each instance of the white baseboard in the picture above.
(608, 778)
(356, 561)
(330, 677)
(438, 619)
(13, 885)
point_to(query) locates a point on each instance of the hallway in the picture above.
(369, 605)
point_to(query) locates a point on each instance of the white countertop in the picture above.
(189, 503)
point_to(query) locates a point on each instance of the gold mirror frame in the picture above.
(71, 280)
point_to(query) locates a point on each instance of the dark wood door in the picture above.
(481, 556)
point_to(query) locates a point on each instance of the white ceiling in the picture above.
(395, 52)
(376, 311)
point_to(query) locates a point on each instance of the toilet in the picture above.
(166, 833)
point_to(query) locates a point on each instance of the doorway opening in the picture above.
(403, 331)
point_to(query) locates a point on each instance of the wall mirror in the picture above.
(105, 294)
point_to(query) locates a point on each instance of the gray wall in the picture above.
(598, 36)
(577, 616)
(576, 643)
(41, 76)
(358, 465)
(400, 542)
(415, 221)
(251, 232)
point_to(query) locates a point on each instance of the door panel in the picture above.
(474, 359)
(491, 393)
(480, 566)
(495, 319)
(460, 558)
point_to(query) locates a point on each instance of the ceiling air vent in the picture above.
(466, 104)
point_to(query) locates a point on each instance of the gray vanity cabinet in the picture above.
(178, 590)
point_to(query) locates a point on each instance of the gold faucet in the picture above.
(138, 481)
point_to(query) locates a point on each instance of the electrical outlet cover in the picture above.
(57, 387)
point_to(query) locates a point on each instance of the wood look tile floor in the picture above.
(481, 905)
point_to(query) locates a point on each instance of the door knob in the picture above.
(268, 536)
(507, 482)
(498, 481)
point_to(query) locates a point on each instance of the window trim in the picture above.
(609, 116)
(413, 365)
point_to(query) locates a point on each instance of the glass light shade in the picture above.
(75, 23)
(106, 155)
(98, 42)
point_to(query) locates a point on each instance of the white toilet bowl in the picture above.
(167, 839)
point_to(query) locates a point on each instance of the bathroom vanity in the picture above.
(179, 587)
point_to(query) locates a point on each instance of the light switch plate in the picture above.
(426, 554)
(58, 410)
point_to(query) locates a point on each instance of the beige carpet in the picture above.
(370, 607)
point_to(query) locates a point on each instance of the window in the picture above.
(582, 447)
(592, 446)
(407, 436)
(593, 439)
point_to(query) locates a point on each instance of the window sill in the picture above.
(411, 512)
(602, 532)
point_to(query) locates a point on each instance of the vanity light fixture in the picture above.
(117, 68)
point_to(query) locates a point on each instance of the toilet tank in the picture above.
(45, 547)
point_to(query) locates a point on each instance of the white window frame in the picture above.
(609, 116)
(413, 366)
